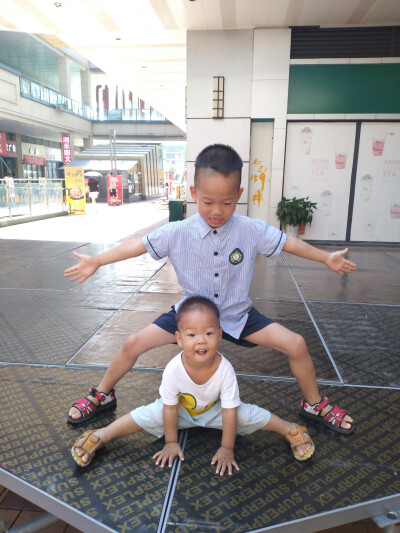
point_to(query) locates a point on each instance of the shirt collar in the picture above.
(205, 229)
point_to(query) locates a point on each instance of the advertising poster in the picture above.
(114, 190)
(75, 185)
(376, 213)
(318, 164)
(260, 169)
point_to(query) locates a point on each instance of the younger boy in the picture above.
(198, 389)
(214, 254)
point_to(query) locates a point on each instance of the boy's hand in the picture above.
(338, 263)
(83, 270)
(168, 454)
(224, 459)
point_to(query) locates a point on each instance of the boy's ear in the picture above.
(178, 339)
(240, 193)
(220, 335)
(193, 193)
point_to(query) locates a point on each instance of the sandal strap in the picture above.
(298, 436)
(317, 407)
(85, 406)
(101, 396)
(335, 416)
(88, 442)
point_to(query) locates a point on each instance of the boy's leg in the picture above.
(293, 345)
(151, 336)
(122, 426)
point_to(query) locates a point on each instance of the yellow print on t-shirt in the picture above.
(189, 403)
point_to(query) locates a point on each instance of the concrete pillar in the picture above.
(64, 77)
(20, 167)
(86, 95)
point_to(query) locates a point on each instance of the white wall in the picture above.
(255, 65)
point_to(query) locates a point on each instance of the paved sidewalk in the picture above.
(101, 224)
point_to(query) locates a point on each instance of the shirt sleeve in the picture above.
(271, 240)
(157, 242)
(168, 389)
(229, 387)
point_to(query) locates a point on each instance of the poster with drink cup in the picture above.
(318, 164)
(376, 212)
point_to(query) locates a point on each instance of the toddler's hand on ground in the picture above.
(339, 264)
(225, 460)
(83, 270)
(168, 454)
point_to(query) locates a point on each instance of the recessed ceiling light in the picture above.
(117, 38)
(144, 66)
(58, 4)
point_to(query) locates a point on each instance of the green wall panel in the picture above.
(344, 89)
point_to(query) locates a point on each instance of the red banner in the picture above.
(66, 149)
(3, 144)
(34, 160)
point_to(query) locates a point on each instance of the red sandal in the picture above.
(332, 419)
(88, 409)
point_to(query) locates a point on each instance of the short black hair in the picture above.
(196, 302)
(221, 158)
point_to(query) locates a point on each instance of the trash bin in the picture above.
(177, 210)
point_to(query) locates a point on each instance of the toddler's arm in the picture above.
(224, 456)
(88, 265)
(334, 260)
(171, 448)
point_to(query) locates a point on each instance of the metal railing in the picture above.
(30, 198)
(118, 115)
(44, 95)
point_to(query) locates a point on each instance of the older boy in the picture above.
(198, 389)
(213, 254)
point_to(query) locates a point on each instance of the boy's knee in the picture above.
(131, 341)
(298, 346)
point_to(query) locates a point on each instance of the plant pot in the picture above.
(291, 231)
(302, 228)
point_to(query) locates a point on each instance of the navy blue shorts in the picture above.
(255, 322)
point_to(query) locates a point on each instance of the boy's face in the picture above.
(199, 335)
(216, 196)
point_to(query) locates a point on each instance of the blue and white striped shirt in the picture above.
(217, 263)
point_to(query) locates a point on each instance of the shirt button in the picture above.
(215, 232)
(215, 253)
(216, 274)
(215, 295)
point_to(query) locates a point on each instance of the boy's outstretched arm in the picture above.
(224, 456)
(171, 448)
(88, 265)
(333, 260)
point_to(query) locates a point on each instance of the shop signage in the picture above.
(75, 185)
(3, 143)
(52, 154)
(66, 149)
(7, 148)
(34, 160)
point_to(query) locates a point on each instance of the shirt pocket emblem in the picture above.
(236, 256)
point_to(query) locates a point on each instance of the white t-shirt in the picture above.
(177, 387)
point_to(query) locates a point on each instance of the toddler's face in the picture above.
(199, 335)
(216, 196)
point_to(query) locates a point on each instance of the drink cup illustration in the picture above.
(305, 140)
(341, 151)
(326, 203)
(367, 182)
(378, 142)
(395, 209)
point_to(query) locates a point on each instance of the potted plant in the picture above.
(295, 213)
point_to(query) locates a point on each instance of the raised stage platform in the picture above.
(57, 338)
